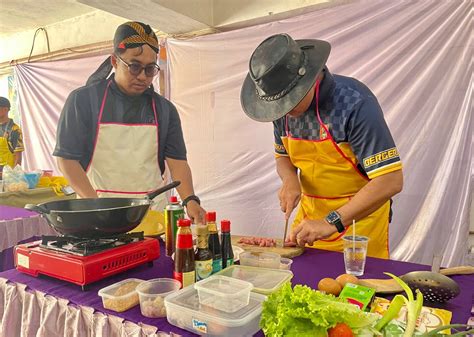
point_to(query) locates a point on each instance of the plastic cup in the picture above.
(355, 253)
(152, 295)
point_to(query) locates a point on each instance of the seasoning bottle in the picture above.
(202, 256)
(227, 252)
(184, 268)
(214, 243)
(173, 212)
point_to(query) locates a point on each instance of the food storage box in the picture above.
(265, 281)
(120, 296)
(184, 311)
(260, 259)
(224, 293)
(152, 295)
(285, 263)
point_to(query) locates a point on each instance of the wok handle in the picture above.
(461, 270)
(163, 189)
(37, 209)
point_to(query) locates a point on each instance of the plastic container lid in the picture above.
(224, 293)
(265, 281)
(185, 304)
(260, 259)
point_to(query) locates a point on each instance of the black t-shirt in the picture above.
(78, 121)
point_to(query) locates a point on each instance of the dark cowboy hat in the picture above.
(281, 73)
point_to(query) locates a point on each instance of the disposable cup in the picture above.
(355, 252)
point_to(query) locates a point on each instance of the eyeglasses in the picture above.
(136, 68)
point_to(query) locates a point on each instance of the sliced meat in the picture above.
(258, 241)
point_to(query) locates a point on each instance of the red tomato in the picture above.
(340, 330)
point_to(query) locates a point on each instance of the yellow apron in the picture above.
(132, 151)
(6, 157)
(329, 178)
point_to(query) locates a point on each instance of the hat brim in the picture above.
(268, 111)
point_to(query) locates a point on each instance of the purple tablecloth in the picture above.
(9, 213)
(18, 225)
(308, 268)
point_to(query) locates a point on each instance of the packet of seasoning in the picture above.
(358, 295)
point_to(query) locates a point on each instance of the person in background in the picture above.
(334, 152)
(116, 133)
(11, 140)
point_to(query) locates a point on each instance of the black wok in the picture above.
(97, 217)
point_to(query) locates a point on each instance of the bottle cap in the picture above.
(225, 226)
(201, 230)
(184, 223)
(173, 199)
(211, 216)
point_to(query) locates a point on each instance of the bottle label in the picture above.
(203, 269)
(216, 265)
(186, 278)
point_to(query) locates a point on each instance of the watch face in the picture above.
(333, 216)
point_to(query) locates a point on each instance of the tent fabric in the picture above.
(416, 56)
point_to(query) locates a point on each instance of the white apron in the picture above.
(124, 161)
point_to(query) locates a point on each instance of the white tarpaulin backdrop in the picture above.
(416, 56)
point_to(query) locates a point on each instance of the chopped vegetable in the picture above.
(340, 330)
(303, 311)
(413, 308)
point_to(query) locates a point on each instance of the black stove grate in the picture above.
(87, 246)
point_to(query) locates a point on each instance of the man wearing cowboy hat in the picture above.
(334, 152)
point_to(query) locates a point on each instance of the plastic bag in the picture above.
(32, 178)
(14, 179)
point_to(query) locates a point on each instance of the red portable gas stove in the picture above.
(83, 261)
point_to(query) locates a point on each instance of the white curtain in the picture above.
(42, 90)
(416, 56)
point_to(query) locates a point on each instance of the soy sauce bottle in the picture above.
(202, 256)
(214, 243)
(226, 245)
(184, 268)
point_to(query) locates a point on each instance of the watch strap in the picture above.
(189, 198)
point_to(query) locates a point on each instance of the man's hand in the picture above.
(289, 195)
(309, 231)
(196, 213)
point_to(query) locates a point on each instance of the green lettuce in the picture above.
(302, 311)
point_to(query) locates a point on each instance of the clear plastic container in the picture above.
(152, 295)
(120, 296)
(260, 259)
(184, 311)
(265, 281)
(224, 293)
(285, 263)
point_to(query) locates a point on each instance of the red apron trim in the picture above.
(99, 121)
(323, 197)
(125, 124)
(122, 192)
(337, 237)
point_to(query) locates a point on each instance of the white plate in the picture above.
(237, 250)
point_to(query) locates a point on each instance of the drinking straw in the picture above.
(353, 235)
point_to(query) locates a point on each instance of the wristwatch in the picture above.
(188, 199)
(334, 218)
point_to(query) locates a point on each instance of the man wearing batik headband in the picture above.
(115, 134)
(334, 152)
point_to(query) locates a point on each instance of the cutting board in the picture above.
(390, 286)
(283, 251)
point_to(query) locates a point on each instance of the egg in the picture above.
(347, 278)
(329, 286)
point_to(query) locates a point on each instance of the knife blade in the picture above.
(284, 235)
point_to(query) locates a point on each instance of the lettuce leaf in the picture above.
(302, 311)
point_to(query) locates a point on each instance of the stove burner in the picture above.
(87, 246)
